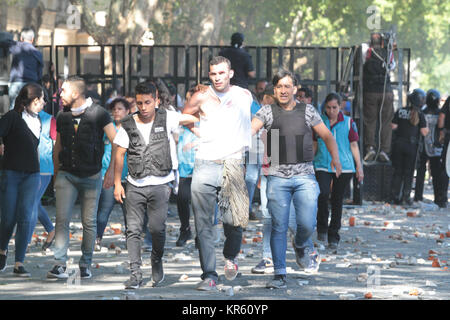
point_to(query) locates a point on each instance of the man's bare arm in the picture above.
(256, 125)
(119, 192)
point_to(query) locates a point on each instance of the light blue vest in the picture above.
(322, 160)
(45, 147)
(106, 160)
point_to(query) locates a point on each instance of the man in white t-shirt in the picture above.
(225, 134)
(147, 139)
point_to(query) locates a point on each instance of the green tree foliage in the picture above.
(420, 25)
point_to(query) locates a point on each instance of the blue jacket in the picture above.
(45, 147)
(340, 131)
(106, 160)
(27, 61)
(186, 158)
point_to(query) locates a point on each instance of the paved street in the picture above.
(385, 255)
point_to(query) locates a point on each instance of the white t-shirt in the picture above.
(123, 141)
(226, 127)
(33, 123)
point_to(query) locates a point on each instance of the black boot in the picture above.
(184, 236)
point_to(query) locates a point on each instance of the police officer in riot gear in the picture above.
(408, 123)
(432, 151)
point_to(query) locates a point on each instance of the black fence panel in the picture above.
(102, 67)
(176, 65)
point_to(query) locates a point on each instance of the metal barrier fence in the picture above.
(106, 67)
(102, 66)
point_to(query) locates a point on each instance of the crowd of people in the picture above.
(213, 153)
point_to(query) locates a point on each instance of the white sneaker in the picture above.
(231, 269)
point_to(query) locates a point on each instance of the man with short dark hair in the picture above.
(241, 61)
(77, 159)
(27, 63)
(291, 176)
(305, 95)
(218, 171)
(147, 139)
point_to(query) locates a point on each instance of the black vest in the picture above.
(374, 72)
(82, 151)
(295, 137)
(153, 159)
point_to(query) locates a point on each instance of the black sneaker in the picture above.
(58, 272)
(2, 262)
(21, 272)
(157, 272)
(185, 235)
(85, 273)
(278, 282)
(134, 282)
(333, 245)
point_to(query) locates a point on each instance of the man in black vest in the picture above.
(147, 139)
(291, 176)
(77, 159)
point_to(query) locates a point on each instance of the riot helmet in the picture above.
(416, 98)
(433, 98)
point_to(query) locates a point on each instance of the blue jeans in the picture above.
(303, 191)
(252, 173)
(67, 188)
(105, 206)
(267, 220)
(17, 196)
(13, 92)
(206, 181)
(39, 212)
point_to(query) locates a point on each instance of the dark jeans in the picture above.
(183, 202)
(152, 201)
(17, 199)
(371, 111)
(403, 162)
(105, 207)
(39, 212)
(337, 197)
(206, 182)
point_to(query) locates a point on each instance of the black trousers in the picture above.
(438, 175)
(403, 162)
(183, 202)
(337, 197)
(152, 201)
